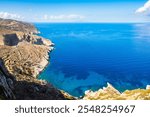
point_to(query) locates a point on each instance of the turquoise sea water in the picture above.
(87, 56)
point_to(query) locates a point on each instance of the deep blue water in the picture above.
(87, 56)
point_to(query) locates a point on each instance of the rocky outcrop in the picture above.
(13, 38)
(24, 55)
(110, 93)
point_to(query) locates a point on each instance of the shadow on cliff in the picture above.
(11, 40)
(32, 91)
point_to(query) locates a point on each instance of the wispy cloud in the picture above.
(70, 17)
(7, 15)
(145, 8)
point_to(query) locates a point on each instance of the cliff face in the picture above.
(23, 56)
(6, 83)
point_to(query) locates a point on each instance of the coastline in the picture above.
(97, 90)
(25, 55)
(48, 62)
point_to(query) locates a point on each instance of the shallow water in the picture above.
(87, 56)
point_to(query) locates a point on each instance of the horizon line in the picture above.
(89, 22)
(92, 22)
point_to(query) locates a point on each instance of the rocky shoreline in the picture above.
(24, 54)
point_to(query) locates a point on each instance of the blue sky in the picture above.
(73, 10)
(69, 1)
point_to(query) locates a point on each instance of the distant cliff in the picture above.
(23, 55)
(14, 25)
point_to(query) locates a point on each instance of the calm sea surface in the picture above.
(87, 56)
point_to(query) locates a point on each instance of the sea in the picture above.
(87, 56)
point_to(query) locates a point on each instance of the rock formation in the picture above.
(23, 56)
(6, 84)
(110, 93)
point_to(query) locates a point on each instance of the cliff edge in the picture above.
(23, 55)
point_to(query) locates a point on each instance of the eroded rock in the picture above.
(110, 93)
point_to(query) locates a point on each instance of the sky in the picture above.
(76, 10)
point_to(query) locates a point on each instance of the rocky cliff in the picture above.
(110, 93)
(23, 55)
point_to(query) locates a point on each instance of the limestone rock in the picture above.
(106, 93)
(110, 93)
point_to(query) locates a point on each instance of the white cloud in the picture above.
(73, 16)
(145, 8)
(7, 15)
(45, 17)
(70, 17)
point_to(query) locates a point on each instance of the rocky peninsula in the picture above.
(24, 54)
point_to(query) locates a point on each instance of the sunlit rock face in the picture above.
(110, 93)
(25, 55)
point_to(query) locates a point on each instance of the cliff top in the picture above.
(14, 25)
